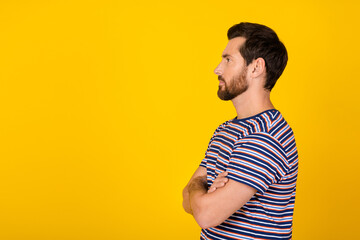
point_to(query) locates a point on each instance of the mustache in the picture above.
(220, 78)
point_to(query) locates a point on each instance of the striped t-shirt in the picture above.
(258, 151)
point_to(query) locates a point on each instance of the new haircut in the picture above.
(261, 42)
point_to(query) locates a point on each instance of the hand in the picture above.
(219, 182)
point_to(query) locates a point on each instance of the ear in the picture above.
(258, 68)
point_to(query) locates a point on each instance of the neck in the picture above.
(252, 102)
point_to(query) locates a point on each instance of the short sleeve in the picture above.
(258, 161)
(204, 161)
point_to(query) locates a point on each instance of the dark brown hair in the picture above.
(261, 41)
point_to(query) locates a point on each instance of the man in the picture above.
(245, 186)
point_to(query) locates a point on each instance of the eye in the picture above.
(227, 59)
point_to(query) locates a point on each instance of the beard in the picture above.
(236, 86)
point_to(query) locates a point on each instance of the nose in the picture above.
(218, 70)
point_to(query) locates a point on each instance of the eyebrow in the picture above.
(226, 55)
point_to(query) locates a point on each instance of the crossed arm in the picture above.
(212, 207)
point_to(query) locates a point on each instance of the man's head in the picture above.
(249, 43)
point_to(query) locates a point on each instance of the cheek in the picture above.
(235, 72)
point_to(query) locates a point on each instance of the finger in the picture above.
(221, 179)
(212, 189)
(218, 184)
(223, 174)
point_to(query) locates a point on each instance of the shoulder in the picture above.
(225, 126)
(273, 128)
(264, 142)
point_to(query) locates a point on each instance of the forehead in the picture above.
(233, 46)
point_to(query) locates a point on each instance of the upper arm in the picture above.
(256, 162)
(214, 208)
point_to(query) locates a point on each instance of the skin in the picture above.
(236, 86)
(210, 207)
(200, 175)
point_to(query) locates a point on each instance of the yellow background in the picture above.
(107, 108)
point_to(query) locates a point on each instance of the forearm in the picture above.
(186, 202)
(196, 185)
(202, 205)
(211, 209)
(204, 208)
(197, 189)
